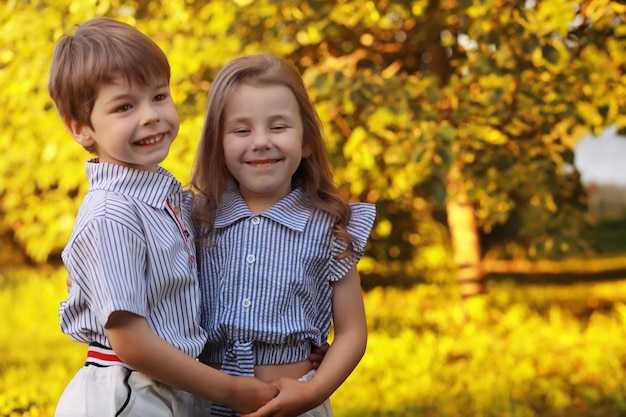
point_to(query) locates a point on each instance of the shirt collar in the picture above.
(149, 187)
(290, 211)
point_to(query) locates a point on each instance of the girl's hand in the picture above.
(294, 399)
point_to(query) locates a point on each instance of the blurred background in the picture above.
(488, 134)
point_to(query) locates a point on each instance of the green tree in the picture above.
(457, 118)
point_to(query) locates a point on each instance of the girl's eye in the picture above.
(241, 131)
(279, 127)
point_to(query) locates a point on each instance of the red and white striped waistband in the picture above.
(102, 356)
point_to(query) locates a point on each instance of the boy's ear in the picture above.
(80, 132)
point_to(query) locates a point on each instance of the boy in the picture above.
(131, 257)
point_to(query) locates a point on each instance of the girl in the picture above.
(278, 246)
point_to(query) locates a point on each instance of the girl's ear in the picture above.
(80, 132)
(306, 151)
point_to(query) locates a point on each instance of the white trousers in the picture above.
(116, 391)
(322, 410)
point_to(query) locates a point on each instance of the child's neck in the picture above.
(258, 205)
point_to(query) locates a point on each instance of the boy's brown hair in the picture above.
(100, 50)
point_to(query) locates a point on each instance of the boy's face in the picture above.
(133, 125)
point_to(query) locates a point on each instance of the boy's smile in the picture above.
(151, 140)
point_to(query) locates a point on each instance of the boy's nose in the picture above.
(149, 115)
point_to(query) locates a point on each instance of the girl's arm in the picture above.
(134, 342)
(347, 349)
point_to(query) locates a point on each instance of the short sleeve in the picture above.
(109, 267)
(359, 227)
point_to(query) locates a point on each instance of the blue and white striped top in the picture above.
(265, 280)
(130, 251)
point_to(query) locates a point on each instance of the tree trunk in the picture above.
(463, 235)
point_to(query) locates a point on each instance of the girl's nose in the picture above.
(261, 140)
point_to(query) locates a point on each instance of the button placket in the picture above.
(246, 302)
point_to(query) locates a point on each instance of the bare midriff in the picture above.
(294, 370)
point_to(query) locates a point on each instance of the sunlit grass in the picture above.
(37, 359)
(525, 351)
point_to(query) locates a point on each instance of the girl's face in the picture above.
(133, 125)
(263, 142)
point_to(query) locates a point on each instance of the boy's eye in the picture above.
(160, 97)
(123, 108)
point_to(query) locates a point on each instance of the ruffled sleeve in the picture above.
(360, 227)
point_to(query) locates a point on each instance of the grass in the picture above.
(528, 350)
(534, 346)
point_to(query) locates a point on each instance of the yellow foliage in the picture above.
(404, 91)
(556, 15)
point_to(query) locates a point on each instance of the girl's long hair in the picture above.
(314, 175)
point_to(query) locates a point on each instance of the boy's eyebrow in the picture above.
(162, 85)
(118, 97)
(126, 94)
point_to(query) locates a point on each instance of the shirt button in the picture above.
(250, 259)
(255, 220)
(246, 303)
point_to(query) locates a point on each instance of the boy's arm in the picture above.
(347, 349)
(134, 342)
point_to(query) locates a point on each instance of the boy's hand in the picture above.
(251, 394)
(317, 355)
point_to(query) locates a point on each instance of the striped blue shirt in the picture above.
(132, 250)
(265, 280)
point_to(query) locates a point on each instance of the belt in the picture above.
(102, 356)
